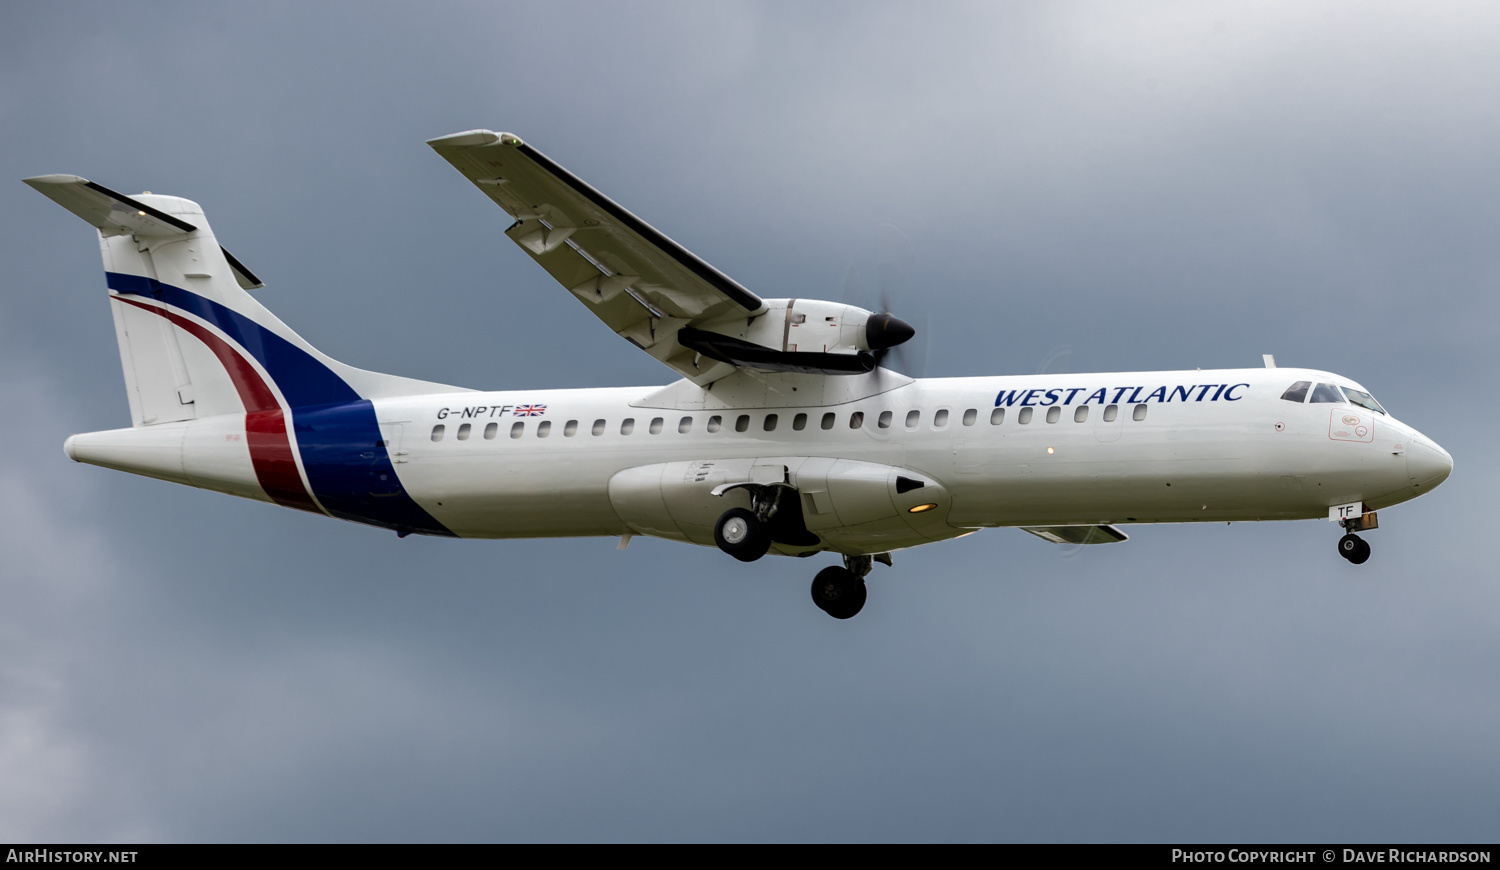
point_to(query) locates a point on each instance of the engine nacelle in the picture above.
(800, 335)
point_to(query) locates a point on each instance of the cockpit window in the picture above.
(1363, 399)
(1297, 392)
(1326, 393)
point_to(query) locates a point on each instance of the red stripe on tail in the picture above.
(265, 422)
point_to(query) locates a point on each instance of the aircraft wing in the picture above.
(643, 285)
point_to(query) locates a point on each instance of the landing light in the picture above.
(141, 213)
(921, 507)
(1049, 449)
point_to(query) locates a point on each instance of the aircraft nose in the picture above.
(1427, 463)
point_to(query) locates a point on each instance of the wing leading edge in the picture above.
(643, 285)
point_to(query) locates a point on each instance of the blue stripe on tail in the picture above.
(338, 435)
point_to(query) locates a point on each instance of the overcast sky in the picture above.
(1083, 187)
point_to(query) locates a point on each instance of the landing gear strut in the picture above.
(741, 534)
(1354, 548)
(746, 534)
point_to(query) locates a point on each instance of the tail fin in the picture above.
(168, 276)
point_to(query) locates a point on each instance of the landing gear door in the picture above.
(390, 436)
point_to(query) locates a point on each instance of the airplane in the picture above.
(785, 433)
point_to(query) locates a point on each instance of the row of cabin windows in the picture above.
(799, 422)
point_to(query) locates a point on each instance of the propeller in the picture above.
(897, 343)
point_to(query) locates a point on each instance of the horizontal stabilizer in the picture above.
(116, 214)
(1078, 534)
(242, 276)
(113, 213)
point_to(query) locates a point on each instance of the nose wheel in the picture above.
(1354, 548)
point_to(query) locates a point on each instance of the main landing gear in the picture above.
(747, 534)
(840, 592)
(742, 534)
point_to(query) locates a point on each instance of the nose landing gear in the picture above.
(1354, 548)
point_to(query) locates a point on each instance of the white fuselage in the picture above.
(1255, 458)
(1035, 451)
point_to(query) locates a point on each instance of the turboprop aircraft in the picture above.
(784, 433)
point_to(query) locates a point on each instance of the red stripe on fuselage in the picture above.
(265, 422)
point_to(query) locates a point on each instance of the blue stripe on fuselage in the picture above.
(337, 433)
(350, 468)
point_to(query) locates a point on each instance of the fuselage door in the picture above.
(384, 457)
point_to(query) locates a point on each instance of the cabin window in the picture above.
(656, 425)
(570, 429)
(1024, 417)
(742, 423)
(544, 428)
(437, 432)
(997, 416)
(490, 430)
(685, 425)
(799, 422)
(1139, 413)
(770, 423)
(1054, 414)
(1363, 399)
(517, 428)
(828, 420)
(1111, 413)
(1081, 414)
(1326, 393)
(857, 419)
(885, 420)
(715, 423)
(463, 432)
(1297, 392)
(913, 418)
(627, 425)
(940, 419)
(598, 427)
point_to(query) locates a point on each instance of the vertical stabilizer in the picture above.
(223, 395)
(193, 342)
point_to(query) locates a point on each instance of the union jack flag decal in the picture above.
(530, 410)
